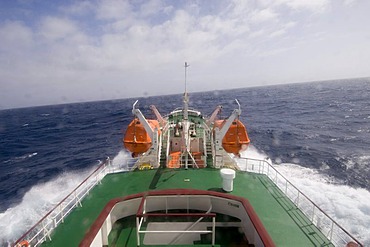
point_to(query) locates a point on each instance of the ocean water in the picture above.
(317, 134)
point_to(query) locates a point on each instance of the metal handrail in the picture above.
(191, 226)
(159, 151)
(143, 214)
(41, 231)
(168, 146)
(327, 225)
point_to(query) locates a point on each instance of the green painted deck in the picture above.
(285, 223)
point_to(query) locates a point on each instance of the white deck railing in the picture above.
(42, 230)
(329, 227)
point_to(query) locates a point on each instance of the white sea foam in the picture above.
(253, 153)
(36, 203)
(348, 206)
(119, 162)
(20, 158)
(41, 198)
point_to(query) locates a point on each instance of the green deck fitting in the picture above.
(286, 224)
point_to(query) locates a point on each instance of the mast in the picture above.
(186, 124)
(186, 66)
(186, 97)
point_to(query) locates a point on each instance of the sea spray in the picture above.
(16, 220)
(348, 206)
(120, 161)
(41, 198)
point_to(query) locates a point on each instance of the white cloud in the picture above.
(290, 24)
(263, 15)
(258, 33)
(349, 2)
(15, 35)
(154, 7)
(282, 29)
(238, 8)
(277, 33)
(312, 5)
(54, 28)
(113, 9)
(120, 42)
(81, 7)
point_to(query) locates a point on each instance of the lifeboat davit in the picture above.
(136, 139)
(236, 137)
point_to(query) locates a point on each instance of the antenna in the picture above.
(186, 98)
(186, 66)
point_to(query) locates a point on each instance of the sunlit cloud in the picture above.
(312, 5)
(263, 15)
(74, 50)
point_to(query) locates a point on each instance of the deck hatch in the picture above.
(185, 201)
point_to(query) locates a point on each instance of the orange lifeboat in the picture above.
(236, 137)
(23, 243)
(136, 139)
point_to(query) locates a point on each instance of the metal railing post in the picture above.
(297, 200)
(276, 174)
(213, 230)
(286, 187)
(313, 213)
(187, 204)
(166, 205)
(259, 168)
(77, 199)
(263, 166)
(137, 231)
(331, 230)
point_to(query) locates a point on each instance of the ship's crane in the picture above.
(137, 113)
(214, 115)
(153, 133)
(221, 132)
(161, 120)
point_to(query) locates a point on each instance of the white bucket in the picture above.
(228, 176)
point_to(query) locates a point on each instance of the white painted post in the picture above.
(137, 231)
(61, 212)
(331, 230)
(213, 230)
(286, 187)
(298, 198)
(166, 205)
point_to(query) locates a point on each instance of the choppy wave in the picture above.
(36, 203)
(20, 158)
(119, 162)
(41, 198)
(348, 206)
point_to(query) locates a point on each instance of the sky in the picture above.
(54, 52)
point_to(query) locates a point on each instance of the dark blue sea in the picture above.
(321, 127)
